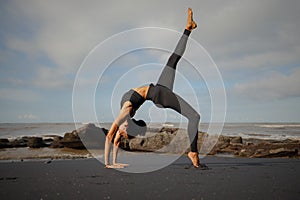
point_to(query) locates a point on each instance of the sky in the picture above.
(254, 44)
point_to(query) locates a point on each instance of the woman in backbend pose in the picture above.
(161, 95)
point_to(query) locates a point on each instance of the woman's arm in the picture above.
(124, 113)
(116, 147)
(121, 132)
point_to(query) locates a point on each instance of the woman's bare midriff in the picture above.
(142, 90)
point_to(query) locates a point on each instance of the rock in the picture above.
(168, 130)
(209, 145)
(4, 140)
(236, 140)
(48, 141)
(56, 143)
(166, 139)
(19, 142)
(269, 149)
(48, 162)
(282, 152)
(152, 143)
(86, 137)
(4, 143)
(92, 137)
(275, 151)
(72, 140)
(227, 144)
(137, 144)
(179, 143)
(222, 143)
(245, 153)
(36, 142)
(233, 149)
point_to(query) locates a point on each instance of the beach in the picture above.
(227, 178)
(55, 165)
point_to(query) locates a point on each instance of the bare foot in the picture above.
(121, 164)
(193, 156)
(114, 166)
(191, 24)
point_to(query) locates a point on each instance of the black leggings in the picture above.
(163, 96)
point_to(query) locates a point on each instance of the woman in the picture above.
(161, 95)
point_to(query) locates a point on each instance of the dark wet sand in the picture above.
(228, 178)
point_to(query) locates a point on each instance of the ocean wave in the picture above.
(278, 125)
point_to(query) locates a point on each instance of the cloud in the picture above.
(18, 95)
(273, 85)
(254, 43)
(65, 31)
(51, 79)
(239, 34)
(27, 117)
(252, 34)
(267, 59)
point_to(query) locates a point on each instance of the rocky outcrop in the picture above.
(86, 137)
(36, 142)
(152, 143)
(20, 142)
(4, 143)
(268, 149)
(89, 136)
(72, 140)
(172, 140)
(254, 148)
(56, 142)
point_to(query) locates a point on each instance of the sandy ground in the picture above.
(227, 178)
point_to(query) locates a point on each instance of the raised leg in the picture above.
(167, 76)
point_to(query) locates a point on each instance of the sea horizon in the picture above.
(260, 130)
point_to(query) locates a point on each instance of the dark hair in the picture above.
(136, 127)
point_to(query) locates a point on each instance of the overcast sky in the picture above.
(255, 45)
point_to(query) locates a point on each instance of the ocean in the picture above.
(277, 131)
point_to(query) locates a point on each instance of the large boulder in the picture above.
(154, 142)
(166, 140)
(56, 142)
(92, 136)
(236, 140)
(221, 142)
(4, 143)
(36, 142)
(87, 137)
(72, 140)
(20, 142)
(276, 149)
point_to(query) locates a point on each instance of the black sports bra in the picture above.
(135, 98)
